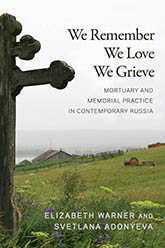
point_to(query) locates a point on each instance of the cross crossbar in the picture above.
(12, 80)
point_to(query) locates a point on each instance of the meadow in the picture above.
(138, 183)
(102, 185)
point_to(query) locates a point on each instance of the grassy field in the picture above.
(102, 185)
(137, 183)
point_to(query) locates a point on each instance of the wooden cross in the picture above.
(12, 80)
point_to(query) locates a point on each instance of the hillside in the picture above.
(138, 183)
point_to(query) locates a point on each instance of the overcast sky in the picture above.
(43, 107)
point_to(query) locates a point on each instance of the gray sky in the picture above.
(43, 107)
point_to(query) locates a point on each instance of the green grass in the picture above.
(137, 183)
(38, 165)
(93, 186)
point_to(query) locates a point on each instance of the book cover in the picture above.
(90, 153)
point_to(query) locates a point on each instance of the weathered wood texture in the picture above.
(8, 28)
(57, 75)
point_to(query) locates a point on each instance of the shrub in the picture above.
(72, 185)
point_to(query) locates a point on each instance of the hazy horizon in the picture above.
(82, 140)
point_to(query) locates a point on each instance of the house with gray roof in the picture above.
(52, 155)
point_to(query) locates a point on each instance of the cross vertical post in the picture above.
(7, 121)
(12, 80)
